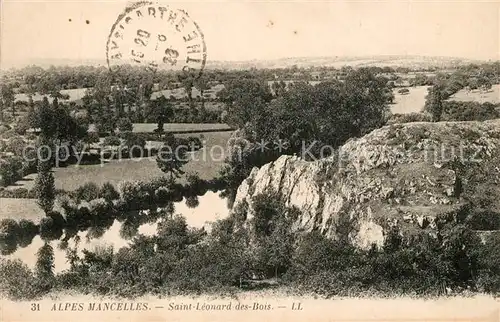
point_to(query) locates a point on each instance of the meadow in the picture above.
(413, 102)
(75, 95)
(181, 127)
(206, 162)
(491, 96)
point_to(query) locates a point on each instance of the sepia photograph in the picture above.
(249, 160)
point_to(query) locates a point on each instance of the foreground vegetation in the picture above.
(180, 260)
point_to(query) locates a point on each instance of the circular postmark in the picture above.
(157, 37)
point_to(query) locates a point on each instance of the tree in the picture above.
(279, 88)
(44, 183)
(434, 102)
(171, 160)
(105, 121)
(124, 124)
(246, 100)
(45, 120)
(187, 82)
(28, 230)
(7, 98)
(44, 267)
(9, 235)
(201, 84)
(161, 111)
(279, 246)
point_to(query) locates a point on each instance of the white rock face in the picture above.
(382, 178)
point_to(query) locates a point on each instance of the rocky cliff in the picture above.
(412, 175)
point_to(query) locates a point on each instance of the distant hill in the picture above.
(340, 61)
(303, 62)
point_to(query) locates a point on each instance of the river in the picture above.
(211, 208)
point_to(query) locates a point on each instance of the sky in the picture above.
(237, 30)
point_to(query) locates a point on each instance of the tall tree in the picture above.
(161, 111)
(279, 88)
(187, 83)
(44, 267)
(170, 159)
(7, 97)
(44, 183)
(434, 102)
(201, 84)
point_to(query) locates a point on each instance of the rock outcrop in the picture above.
(412, 175)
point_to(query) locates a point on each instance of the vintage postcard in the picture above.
(249, 160)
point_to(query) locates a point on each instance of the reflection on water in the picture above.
(210, 208)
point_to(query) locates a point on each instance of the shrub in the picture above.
(88, 191)
(194, 143)
(9, 234)
(409, 118)
(404, 91)
(108, 192)
(192, 202)
(19, 193)
(483, 220)
(124, 124)
(91, 137)
(51, 227)
(27, 231)
(195, 185)
(135, 144)
(112, 140)
(16, 280)
(10, 171)
(489, 259)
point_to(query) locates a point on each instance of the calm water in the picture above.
(210, 208)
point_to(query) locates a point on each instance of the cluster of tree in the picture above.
(309, 120)
(469, 111)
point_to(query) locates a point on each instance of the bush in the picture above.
(408, 118)
(124, 124)
(16, 280)
(489, 258)
(92, 137)
(19, 193)
(112, 140)
(483, 220)
(9, 234)
(194, 143)
(135, 145)
(108, 192)
(88, 191)
(404, 91)
(10, 171)
(27, 231)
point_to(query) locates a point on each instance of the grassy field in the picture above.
(182, 127)
(20, 208)
(206, 162)
(492, 96)
(409, 103)
(74, 95)
(180, 93)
